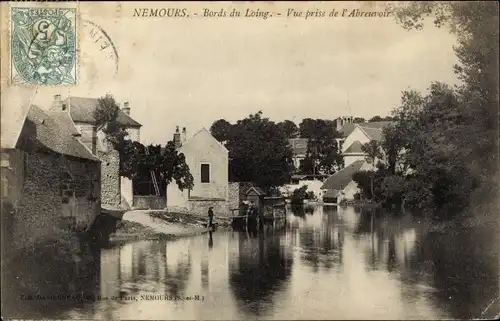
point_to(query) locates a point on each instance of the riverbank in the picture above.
(160, 225)
(187, 219)
(127, 231)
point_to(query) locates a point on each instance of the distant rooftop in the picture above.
(82, 109)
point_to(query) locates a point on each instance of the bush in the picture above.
(299, 195)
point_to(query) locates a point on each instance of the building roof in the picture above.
(298, 145)
(55, 134)
(203, 130)
(355, 148)
(347, 129)
(340, 179)
(374, 129)
(82, 109)
(255, 189)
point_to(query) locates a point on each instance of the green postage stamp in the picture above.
(43, 46)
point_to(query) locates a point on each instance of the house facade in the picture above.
(299, 150)
(116, 190)
(340, 186)
(50, 181)
(361, 134)
(208, 162)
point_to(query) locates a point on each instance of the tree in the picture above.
(375, 118)
(289, 128)
(476, 26)
(221, 130)
(137, 162)
(372, 150)
(378, 118)
(259, 152)
(358, 120)
(106, 119)
(322, 153)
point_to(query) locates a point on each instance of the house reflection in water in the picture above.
(261, 271)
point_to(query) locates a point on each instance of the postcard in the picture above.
(249, 160)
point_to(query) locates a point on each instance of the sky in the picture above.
(191, 72)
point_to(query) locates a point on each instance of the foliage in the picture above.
(289, 128)
(135, 162)
(475, 24)
(106, 119)
(322, 153)
(358, 120)
(221, 130)
(378, 118)
(441, 145)
(299, 195)
(138, 161)
(373, 151)
(258, 152)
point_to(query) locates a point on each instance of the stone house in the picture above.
(209, 164)
(361, 134)
(50, 180)
(115, 190)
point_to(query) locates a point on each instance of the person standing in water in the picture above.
(210, 216)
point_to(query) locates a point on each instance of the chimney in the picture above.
(338, 123)
(57, 103)
(177, 138)
(126, 108)
(184, 134)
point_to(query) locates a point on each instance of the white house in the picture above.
(208, 163)
(340, 185)
(361, 134)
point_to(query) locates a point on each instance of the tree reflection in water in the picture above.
(458, 267)
(263, 267)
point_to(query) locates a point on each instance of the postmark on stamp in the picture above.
(43, 46)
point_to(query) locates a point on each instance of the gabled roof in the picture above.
(82, 109)
(298, 145)
(374, 129)
(203, 131)
(255, 189)
(54, 134)
(340, 179)
(355, 148)
(347, 129)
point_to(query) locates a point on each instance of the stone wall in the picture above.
(145, 202)
(235, 196)
(200, 207)
(110, 172)
(58, 195)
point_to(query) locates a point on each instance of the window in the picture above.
(205, 173)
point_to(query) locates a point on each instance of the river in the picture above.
(333, 263)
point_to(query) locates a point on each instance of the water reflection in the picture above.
(334, 263)
(261, 270)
